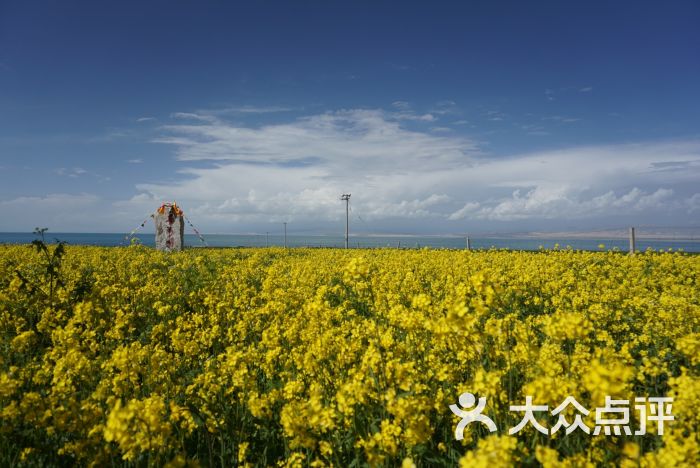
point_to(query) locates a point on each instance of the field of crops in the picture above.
(326, 357)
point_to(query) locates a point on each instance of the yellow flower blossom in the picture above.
(324, 357)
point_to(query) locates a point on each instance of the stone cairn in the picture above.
(170, 228)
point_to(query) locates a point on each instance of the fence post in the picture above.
(632, 241)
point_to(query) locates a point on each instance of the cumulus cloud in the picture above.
(403, 176)
(565, 202)
(297, 170)
(466, 210)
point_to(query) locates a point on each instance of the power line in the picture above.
(359, 218)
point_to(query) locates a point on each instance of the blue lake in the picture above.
(233, 240)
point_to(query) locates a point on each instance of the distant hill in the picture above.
(685, 233)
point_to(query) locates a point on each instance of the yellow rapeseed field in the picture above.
(318, 357)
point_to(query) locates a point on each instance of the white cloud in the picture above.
(410, 115)
(586, 89)
(402, 105)
(134, 161)
(693, 203)
(495, 116)
(444, 107)
(417, 208)
(297, 170)
(559, 118)
(467, 209)
(232, 178)
(58, 211)
(74, 172)
(53, 200)
(248, 110)
(193, 116)
(552, 202)
(353, 138)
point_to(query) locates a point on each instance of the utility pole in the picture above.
(285, 234)
(346, 197)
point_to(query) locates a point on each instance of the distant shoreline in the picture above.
(612, 235)
(602, 235)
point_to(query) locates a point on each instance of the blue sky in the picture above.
(439, 117)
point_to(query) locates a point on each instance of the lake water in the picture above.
(233, 240)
